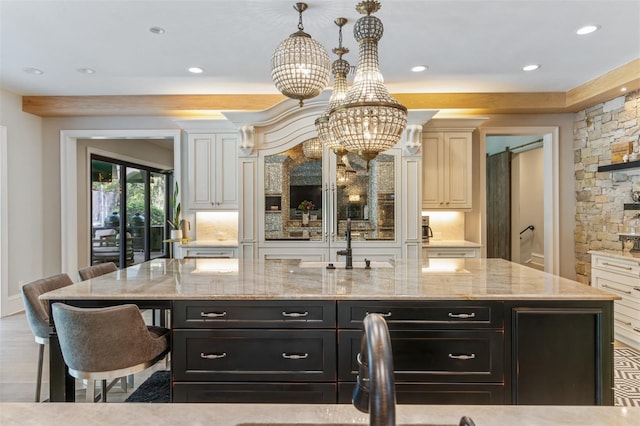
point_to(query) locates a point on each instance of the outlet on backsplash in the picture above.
(216, 226)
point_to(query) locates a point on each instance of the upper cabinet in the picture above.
(447, 170)
(212, 176)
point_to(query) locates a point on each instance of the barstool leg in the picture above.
(39, 378)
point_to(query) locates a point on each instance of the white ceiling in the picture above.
(469, 45)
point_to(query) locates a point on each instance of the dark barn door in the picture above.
(499, 205)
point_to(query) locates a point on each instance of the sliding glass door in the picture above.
(135, 233)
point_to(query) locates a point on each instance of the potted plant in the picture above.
(306, 206)
(176, 222)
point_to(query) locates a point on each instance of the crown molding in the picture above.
(598, 90)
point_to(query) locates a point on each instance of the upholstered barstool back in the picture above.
(37, 313)
(94, 271)
(107, 343)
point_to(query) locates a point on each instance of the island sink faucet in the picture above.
(348, 252)
(375, 389)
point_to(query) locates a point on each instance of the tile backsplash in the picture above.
(220, 226)
(446, 225)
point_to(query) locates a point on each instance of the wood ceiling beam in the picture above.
(600, 89)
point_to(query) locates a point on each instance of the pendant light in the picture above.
(370, 120)
(340, 68)
(312, 148)
(300, 65)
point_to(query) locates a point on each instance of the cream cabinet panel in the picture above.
(446, 176)
(213, 181)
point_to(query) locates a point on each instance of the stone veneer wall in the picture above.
(601, 196)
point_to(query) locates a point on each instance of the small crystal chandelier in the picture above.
(300, 65)
(312, 148)
(345, 175)
(370, 120)
(340, 68)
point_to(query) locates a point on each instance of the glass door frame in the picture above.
(122, 226)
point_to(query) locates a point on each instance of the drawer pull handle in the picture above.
(295, 356)
(616, 289)
(451, 254)
(212, 356)
(626, 268)
(636, 288)
(295, 314)
(636, 329)
(387, 315)
(462, 357)
(462, 316)
(213, 314)
(623, 322)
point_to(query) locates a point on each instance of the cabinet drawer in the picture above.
(437, 393)
(623, 286)
(254, 355)
(215, 253)
(254, 314)
(616, 265)
(431, 315)
(451, 252)
(434, 356)
(268, 393)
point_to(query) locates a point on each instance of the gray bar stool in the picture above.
(38, 314)
(107, 343)
(97, 270)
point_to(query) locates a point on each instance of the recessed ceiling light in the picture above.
(86, 70)
(196, 70)
(419, 68)
(531, 67)
(623, 89)
(587, 29)
(157, 30)
(34, 71)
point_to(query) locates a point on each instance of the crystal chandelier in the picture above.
(370, 120)
(340, 68)
(300, 65)
(345, 175)
(312, 148)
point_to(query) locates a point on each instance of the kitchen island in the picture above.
(476, 331)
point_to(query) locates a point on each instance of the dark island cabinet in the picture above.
(254, 351)
(561, 352)
(444, 352)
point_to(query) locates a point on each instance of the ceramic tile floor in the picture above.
(19, 362)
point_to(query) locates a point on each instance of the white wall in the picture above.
(26, 207)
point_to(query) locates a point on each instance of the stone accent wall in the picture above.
(600, 196)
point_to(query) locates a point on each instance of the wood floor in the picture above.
(19, 363)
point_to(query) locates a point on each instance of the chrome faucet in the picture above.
(348, 252)
(375, 389)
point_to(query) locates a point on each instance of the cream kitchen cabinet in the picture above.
(446, 175)
(212, 173)
(620, 275)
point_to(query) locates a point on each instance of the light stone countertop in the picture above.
(32, 414)
(211, 243)
(429, 279)
(618, 254)
(450, 243)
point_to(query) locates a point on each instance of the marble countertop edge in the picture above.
(27, 414)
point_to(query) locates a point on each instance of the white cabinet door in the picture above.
(213, 183)
(447, 167)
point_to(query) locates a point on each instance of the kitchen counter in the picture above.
(27, 414)
(210, 243)
(205, 279)
(619, 254)
(450, 243)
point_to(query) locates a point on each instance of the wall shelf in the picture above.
(619, 166)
